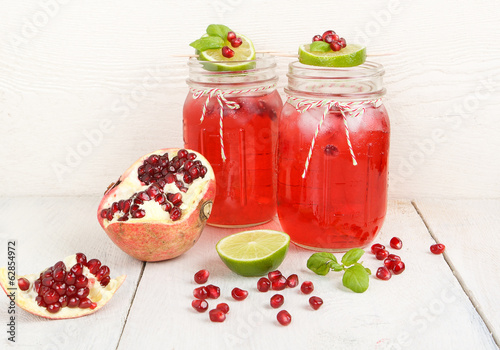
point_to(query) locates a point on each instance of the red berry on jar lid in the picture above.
(317, 38)
(307, 287)
(396, 243)
(437, 248)
(315, 302)
(383, 273)
(201, 276)
(376, 247)
(284, 318)
(382, 254)
(227, 52)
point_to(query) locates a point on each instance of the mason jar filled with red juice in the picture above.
(333, 156)
(231, 116)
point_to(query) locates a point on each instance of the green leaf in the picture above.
(368, 270)
(219, 30)
(207, 43)
(320, 46)
(336, 266)
(352, 256)
(356, 278)
(320, 263)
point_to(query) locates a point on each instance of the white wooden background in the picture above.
(88, 87)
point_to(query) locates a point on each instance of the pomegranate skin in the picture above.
(158, 238)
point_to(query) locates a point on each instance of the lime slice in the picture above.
(349, 56)
(255, 252)
(245, 52)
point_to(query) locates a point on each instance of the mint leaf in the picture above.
(336, 266)
(207, 43)
(352, 256)
(356, 278)
(320, 46)
(320, 263)
(219, 30)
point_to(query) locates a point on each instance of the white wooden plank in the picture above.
(415, 310)
(470, 231)
(47, 230)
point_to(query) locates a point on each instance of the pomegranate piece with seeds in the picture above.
(199, 305)
(201, 276)
(315, 302)
(217, 315)
(396, 243)
(284, 317)
(307, 287)
(64, 290)
(437, 248)
(159, 206)
(276, 301)
(239, 294)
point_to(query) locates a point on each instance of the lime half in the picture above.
(255, 252)
(349, 56)
(244, 52)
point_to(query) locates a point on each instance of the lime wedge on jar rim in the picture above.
(243, 53)
(255, 252)
(350, 56)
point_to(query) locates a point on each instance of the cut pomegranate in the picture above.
(64, 290)
(376, 247)
(277, 300)
(398, 267)
(315, 302)
(199, 305)
(382, 254)
(437, 248)
(217, 315)
(263, 284)
(223, 307)
(307, 287)
(201, 276)
(200, 293)
(292, 281)
(213, 292)
(284, 317)
(274, 275)
(383, 273)
(159, 206)
(396, 243)
(278, 283)
(239, 294)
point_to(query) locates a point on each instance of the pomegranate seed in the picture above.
(437, 248)
(278, 283)
(40, 302)
(227, 52)
(105, 281)
(94, 265)
(37, 285)
(82, 293)
(284, 318)
(331, 150)
(134, 207)
(342, 42)
(109, 215)
(191, 156)
(50, 297)
(187, 178)
(236, 42)
(391, 259)
(223, 307)
(114, 207)
(396, 243)
(141, 170)
(199, 305)
(335, 46)
(60, 288)
(153, 159)
(43, 290)
(73, 302)
(203, 171)
(200, 293)
(70, 278)
(376, 247)
(292, 281)
(217, 315)
(277, 300)
(160, 199)
(182, 153)
(328, 32)
(176, 199)
(138, 214)
(335, 37)
(103, 272)
(274, 275)
(53, 308)
(71, 290)
(307, 287)
(47, 281)
(104, 213)
(152, 191)
(231, 36)
(123, 218)
(317, 38)
(170, 178)
(81, 258)
(59, 274)
(63, 300)
(175, 214)
(81, 281)
(383, 273)
(382, 254)
(213, 292)
(201, 276)
(194, 172)
(77, 269)
(328, 38)
(263, 284)
(23, 284)
(315, 302)
(398, 268)
(143, 196)
(239, 294)
(87, 303)
(168, 207)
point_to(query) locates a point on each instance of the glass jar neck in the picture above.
(359, 83)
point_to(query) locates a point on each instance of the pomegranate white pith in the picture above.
(99, 295)
(160, 205)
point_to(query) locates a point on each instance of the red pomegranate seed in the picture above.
(276, 301)
(217, 315)
(231, 36)
(77, 269)
(263, 285)
(191, 156)
(50, 297)
(60, 288)
(292, 281)
(236, 42)
(376, 247)
(40, 302)
(59, 264)
(23, 284)
(278, 283)
(398, 267)
(307, 287)
(71, 290)
(182, 153)
(331, 150)
(274, 275)
(284, 318)
(223, 307)
(317, 38)
(391, 259)
(104, 213)
(328, 32)
(328, 38)
(53, 308)
(94, 265)
(383, 273)
(43, 290)
(203, 171)
(342, 42)
(37, 284)
(382, 254)
(59, 274)
(168, 207)
(335, 46)
(103, 272)
(201, 276)
(152, 191)
(143, 196)
(160, 198)
(105, 281)
(200, 293)
(63, 300)
(82, 293)
(213, 292)
(87, 303)
(175, 214)
(47, 281)
(70, 278)
(114, 207)
(396, 243)
(109, 215)
(81, 281)
(153, 159)
(73, 302)
(335, 37)
(81, 258)
(239, 294)
(138, 214)
(187, 178)
(227, 52)
(437, 248)
(315, 302)
(199, 305)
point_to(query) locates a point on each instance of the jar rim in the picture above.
(367, 69)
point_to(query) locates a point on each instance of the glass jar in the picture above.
(231, 117)
(333, 156)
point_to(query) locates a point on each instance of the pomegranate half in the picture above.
(70, 288)
(158, 208)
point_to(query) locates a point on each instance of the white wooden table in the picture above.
(439, 302)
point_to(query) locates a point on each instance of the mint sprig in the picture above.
(355, 274)
(219, 30)
(207, 43)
